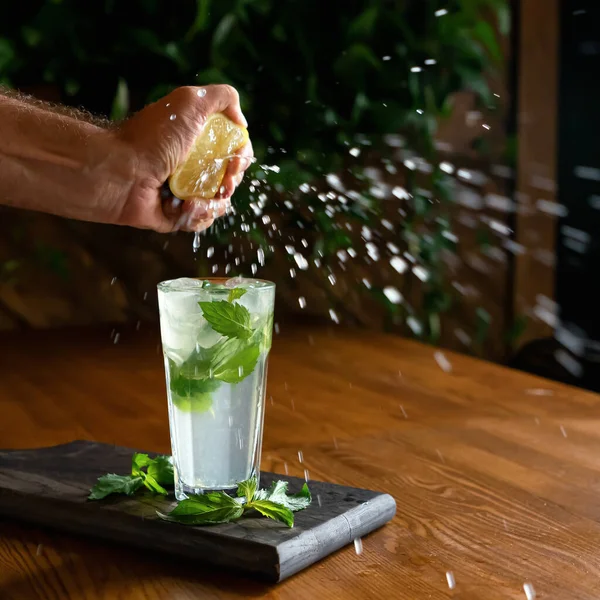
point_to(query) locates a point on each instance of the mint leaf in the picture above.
(205, 509)
(195, 403)
(115, 484)
(196, 364)
(190, 384)
(273, 511)
(235, 361)
(190, 387)
(299, 501)
(161, 469)
(267, 334)
(277, 489)
(278, 493)
(153, 485)
(235, 294)
(246, 489)
(230, 320)
(138, 462)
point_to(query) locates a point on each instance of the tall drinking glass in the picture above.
(216, 336)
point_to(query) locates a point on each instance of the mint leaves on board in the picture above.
(230, 360)
(158, 473)
(218, 507)
(204, 509)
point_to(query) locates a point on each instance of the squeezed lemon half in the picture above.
(201, 173)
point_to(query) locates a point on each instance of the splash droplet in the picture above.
(196, 242)
(358, 546)
(173, 117)
(393, 295)
(201, 92)
(442, 361)
(398, 264)
(301, 261)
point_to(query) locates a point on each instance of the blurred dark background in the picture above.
(427, 167)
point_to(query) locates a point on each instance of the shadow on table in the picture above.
(41, 564)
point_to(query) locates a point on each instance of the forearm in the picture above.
(54, 162)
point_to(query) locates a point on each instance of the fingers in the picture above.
(243, 159)
(235, 171)
(192, 215)
(220, 99)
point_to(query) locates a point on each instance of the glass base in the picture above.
(183, 491)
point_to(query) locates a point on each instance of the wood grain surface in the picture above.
(50, 486)
(496, 474)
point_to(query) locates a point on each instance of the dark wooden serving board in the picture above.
(49, 486)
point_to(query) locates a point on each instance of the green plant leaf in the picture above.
(278, 493)
(153, 485)
(273, 511)
(194, 403)
(120, 106)
(230, 320)
(138, 462)
(191, 384)
(31, 36)
(485, 33)
(201, 20)
(363, 25)
(504, 17)
(205, 509)
(235, 361)
(223, 30)
(236, 294)
(247, 489)
(161, 468)
(266, 338)
(7, 53)
(115, 484)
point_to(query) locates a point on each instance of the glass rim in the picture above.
(267, 285)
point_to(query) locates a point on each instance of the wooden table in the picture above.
(496, 474)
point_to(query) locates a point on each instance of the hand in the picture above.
(160, 144)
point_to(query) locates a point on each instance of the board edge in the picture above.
(382, 507)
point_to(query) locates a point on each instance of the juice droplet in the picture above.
(173, 117)
(201, 92)
(196, 243)
(358, 546)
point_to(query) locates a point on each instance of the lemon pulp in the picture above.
(201, 173)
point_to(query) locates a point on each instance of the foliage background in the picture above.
(316, 80)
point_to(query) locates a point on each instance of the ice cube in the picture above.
(234, 282)
(181, 320)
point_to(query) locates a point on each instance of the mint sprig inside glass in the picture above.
(216, 336)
